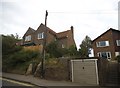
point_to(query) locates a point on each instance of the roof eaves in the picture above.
(105, 33)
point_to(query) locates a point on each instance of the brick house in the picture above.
(107, 45)
(36, 37)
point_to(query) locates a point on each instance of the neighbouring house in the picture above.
(107, 45)
(36, 37)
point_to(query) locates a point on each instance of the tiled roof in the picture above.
(31, 29)
(50, 30)
(59, 35)
(63, 34)
(106, 32)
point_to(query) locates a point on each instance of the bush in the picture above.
(118, 58)
(19, 59)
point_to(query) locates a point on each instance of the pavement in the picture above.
(38, 81)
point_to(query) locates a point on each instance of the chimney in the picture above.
(72, 28)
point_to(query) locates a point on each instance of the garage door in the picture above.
(84, 71)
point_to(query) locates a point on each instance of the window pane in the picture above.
(28, 38)
(107, 43)
(104, 55)
(41, 35)
(102, 43)
(118, 42)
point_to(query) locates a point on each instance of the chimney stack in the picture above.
(72, 28)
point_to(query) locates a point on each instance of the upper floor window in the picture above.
(41, 35)
(118, 42)
(102, 43)
(28, 38)
(104, 55)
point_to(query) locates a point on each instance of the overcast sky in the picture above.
(88, 17)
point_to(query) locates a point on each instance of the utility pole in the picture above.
(44, 47)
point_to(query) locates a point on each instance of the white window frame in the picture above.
(107, 53)
(41, 35)
(118, 42)
(28, 38)
(98, 44)
(117, 53)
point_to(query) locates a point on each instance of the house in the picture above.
(37, 37)
(107, 45)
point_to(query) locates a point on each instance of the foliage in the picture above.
(85, 47)
(53, 50)
(15, 57)
(72, 51)
(54, 62)
(9, 44)
(19, 59)
(118, 58)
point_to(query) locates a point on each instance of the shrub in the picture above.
(118, 58)
(19, 59)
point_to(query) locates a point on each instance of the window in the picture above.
(104, 55)
(102, 43)
(28, 38)
(117, 53)
(118, 42)
(41, 35)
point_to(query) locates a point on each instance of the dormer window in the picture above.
(41, 35)
(28, 38)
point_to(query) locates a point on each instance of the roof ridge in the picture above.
(105, 32)
(31, 29)
(63, 31)
(48, 28)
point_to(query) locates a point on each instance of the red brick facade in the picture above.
(109, 37)
(65, 39)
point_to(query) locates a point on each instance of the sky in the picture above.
(88, 17)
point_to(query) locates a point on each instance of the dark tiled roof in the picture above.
(63, 34)
(59, 35)
(111, 29)
(50, 30)
(31, 29)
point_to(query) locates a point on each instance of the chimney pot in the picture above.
(71, 27)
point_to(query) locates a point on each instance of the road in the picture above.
(8, 83)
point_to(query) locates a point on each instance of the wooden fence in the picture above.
(34, 48)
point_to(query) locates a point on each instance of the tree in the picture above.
(73, 51)
(53, 50)
(9, 48)
(85, 47)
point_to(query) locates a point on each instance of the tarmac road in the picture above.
(8, 83)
